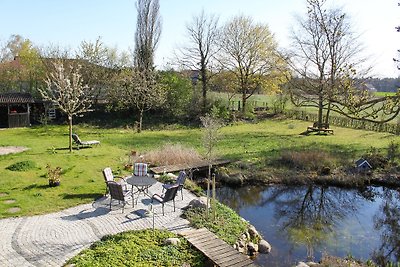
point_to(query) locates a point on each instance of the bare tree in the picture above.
(328, 68)
(65, 88)
(210, 139)
(202, 34)
(100, 64)
(148, 31)
(249, 51)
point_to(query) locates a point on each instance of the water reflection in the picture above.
(305, 222)
(308, 214)
(387, 221)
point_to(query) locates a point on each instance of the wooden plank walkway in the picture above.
(215, 249)
(180, 167)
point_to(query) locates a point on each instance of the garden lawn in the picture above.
(82, 180)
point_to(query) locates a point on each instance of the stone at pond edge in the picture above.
(200, 202)
(252, 248)
(302, 264)
(264, 246)
(253, 231)
(172, 241)
(234, 179)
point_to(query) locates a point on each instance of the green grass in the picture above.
(380, 94)
(82, 180)
(139, 248)
(228, 225)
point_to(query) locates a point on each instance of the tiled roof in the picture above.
(16, 98)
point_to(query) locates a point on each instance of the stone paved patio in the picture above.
(51, 239)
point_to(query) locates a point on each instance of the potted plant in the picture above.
(54, 175)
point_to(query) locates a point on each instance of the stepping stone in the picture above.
(9, 201)
(3, 194)
(14, 210)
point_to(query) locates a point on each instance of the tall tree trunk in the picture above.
(204, 88)
(244, 103)
(320, 110)
(327, 113)
(70, 132)
(139, 129)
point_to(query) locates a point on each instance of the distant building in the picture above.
(15, 109)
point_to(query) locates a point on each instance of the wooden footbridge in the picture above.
(203, 164)
(219, 252)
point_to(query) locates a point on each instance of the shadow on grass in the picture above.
(67, 148)
(36, 186)
(82, 196)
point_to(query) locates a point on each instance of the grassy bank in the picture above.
(139, 248)
(258, 144)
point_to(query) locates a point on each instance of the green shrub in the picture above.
(139, 248)
(228, 225)
(22, 166)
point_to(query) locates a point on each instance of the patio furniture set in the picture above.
(125, 188)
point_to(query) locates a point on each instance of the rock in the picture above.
(243, 237)
(171, 175)
(198, 203)
(302, 264)
(252, 248)
(311, 263)
(241, 244)
(172, 241)
(234, 179)
(264, 246)
(253, 231)
(241, 250)
(248, 236)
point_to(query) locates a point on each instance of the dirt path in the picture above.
(4, 150)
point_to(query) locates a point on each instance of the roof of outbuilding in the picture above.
(16, 98)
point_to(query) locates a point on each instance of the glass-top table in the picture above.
(142, 184)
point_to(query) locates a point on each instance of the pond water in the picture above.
(304, 223)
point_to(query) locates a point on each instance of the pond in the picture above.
(304, 223)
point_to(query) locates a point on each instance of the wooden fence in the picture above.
(18, 120)
(393, 128)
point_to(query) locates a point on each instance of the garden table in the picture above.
(142, 184)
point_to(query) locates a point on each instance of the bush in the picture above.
(22, 166)
(308, 160)
(179, 93)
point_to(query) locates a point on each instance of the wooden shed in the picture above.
(15, 109)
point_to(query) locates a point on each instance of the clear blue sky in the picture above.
(68, 22)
